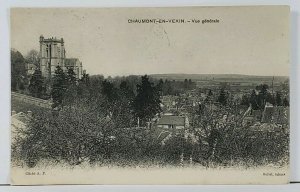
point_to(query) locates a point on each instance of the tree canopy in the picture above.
(18, 71)
(36, 84)
(147, 102)
(59, 87)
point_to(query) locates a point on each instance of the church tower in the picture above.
(52, 54)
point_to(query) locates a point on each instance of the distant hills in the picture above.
(219, 77)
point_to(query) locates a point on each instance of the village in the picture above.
(190, 117)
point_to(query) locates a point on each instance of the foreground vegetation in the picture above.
(97, 122)
(74, 136)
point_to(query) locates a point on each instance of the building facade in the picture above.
(53, 54)
(76, 65)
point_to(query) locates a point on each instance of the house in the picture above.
(275, 114)
(268, 114)
(173, 122)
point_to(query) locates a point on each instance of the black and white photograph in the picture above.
(181, 95)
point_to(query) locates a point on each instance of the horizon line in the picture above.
(151, 74)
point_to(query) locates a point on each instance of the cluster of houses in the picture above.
(175, 115)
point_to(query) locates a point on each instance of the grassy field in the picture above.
(19, 106)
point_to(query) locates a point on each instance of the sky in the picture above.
(247, 40)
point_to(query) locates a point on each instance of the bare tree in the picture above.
(32, 57)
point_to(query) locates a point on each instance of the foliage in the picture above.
(209, 97)
(59, 87)
(109, 91)
(223, 97)
(98, 124)
(18, 71)
(80, 132)
(85, 79)
(264, 96)
(259, 100)
(147, 102)
(83, 88)
(32, 57)
(36, 84)
(226, 139)
(172, 87)
(285, 102)
(278, 99)
(71, 77)
(124, 114)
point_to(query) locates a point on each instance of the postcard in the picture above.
(170, 95)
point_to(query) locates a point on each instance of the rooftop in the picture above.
(52, 39)
(171, 120)
(71, 62)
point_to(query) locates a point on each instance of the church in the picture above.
(53, 54)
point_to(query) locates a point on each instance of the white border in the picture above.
(5, 62)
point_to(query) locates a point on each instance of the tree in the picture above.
(254, 100)
(18, 71)
(223, 97)
(73, 88)
(147, 102)
(209, 97)
(160, 86)
(190, 84)
(61, 140)
(278, 99)
(285, 102)
(245, 100)
(110, 98)
(85, 79)
(59, 87)
(83, 86)
(167, 88)
(185, 84)
(32, 57)
(126, 91)
(109, 91)
(95, 86)
(262, 95)
(123, 114)
(71, 77)
(36, 85)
